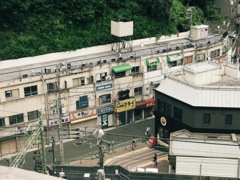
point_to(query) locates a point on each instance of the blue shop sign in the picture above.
(83, 102)
(105, 110)
(104, 87)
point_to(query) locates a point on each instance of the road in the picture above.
(80, 149)
(139, 158)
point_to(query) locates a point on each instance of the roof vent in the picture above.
(234, 137)
(212, 137)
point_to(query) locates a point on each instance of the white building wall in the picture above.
(197, 166)
(207, 77)
(232, 71)
(123, 83)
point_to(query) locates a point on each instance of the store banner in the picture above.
(104, 87)
(150, 103)
(105, 110)
(125, 105)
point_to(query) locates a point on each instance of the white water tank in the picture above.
(122, 28)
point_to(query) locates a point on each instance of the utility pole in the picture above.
(20, 158)
(53, 150)
(189, 16)
(59, 106)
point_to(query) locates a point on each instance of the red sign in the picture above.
(150, 102)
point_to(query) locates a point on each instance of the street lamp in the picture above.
(218, 29)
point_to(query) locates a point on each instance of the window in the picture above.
(90, 80)
(104, 98)
(33, 115)
(137, 91)
(215, 53)
(206, 119)
(120, 74)
(167, 108)
(78, 81)
(29, 91)
(172, 64)
(151, 68)
(51, 87)
(77, 105)
(177, 113)
(11, 94)
(164, 107)
(228, 119)
(2, 122)
(101, 77)
(135, 70)
(16, 119)
(160, 106)
(124, 94)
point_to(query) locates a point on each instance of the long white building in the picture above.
(95, 83)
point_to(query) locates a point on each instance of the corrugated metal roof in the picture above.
(184, 143)
(201, 96)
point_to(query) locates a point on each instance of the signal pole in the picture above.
(59, 106)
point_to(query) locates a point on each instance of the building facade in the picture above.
(202, 98)
(227, 8)
(204, 154)
(95, 84)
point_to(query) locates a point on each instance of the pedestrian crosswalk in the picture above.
(139, 158)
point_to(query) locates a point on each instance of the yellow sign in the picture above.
(125, 105)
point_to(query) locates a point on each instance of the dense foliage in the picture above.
(34, 27)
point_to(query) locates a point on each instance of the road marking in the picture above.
(162, 158)
(109, 161)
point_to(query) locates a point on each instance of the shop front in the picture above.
(105, 116)
(139, 111)
(82, 115)
(149, 108)
(124, 111)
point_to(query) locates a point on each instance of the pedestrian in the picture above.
(148, 129)
(133, 144)
(155, 160)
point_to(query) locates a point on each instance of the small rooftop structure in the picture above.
(199, 32)
(203, 154)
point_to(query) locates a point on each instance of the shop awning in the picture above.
(150, 102)
(122, 68)
(172, 59)
(74, 121)
(153, 63)
(140, 104)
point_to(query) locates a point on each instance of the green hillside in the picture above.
(34, 27)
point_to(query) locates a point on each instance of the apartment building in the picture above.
(96, 84)
(227, 8)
